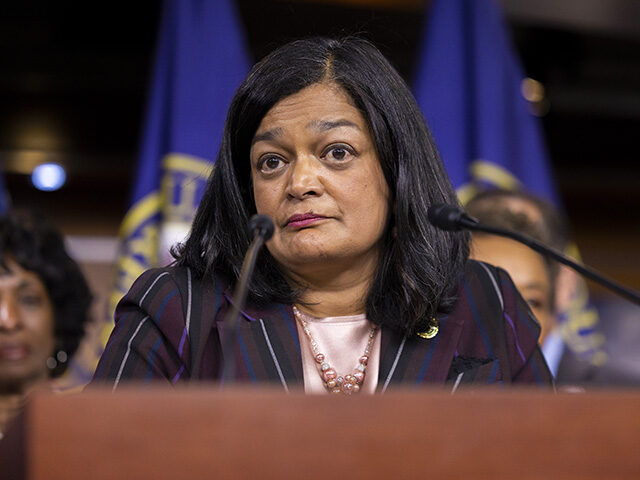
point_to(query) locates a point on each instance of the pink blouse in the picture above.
(342, 340)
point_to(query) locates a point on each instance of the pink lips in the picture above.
(13, 351)
(302, 220)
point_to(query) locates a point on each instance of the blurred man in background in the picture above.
(545, 285)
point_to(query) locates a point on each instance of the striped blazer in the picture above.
(169, 327)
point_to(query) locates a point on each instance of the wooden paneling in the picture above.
(168, 434)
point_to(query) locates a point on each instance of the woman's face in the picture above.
(26, 328)
(316, 173)
(528, 271)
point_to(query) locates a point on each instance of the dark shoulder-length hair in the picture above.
(420, 266)
(35, 245)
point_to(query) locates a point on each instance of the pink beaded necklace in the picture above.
(335, 383)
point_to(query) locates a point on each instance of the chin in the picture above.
(307, 258)
(15, 376)
(301, 251)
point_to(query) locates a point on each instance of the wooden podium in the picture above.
(244, 434)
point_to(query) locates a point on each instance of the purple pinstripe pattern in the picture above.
(176, 377)
(243, 313)
(513, 328)
(184, 337)
(270, 351)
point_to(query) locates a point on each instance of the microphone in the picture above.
(453, 218)
(449, 217)
(261, 226)
(260, 229)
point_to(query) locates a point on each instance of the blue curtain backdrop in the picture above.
(201, 58)
(468, 85)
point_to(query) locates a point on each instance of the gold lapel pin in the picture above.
(432, 332)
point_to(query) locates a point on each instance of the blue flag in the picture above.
(201, 59)
(5, 203)
(468, 85)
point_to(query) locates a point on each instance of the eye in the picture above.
(338, 153)
(270, 163)
(537, 304)
(31, 299)
(533, 303)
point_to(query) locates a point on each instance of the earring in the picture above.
(59, 358)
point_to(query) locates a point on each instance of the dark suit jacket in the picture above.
(619, 329)
(490, 337)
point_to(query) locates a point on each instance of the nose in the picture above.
(9, 318)
(305, 178)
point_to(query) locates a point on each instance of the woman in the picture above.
(44, 301)
(356, 291)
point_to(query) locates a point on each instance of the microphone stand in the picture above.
(470, 223)
(261, 228)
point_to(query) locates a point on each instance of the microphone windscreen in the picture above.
(445, 217)
(261, 225)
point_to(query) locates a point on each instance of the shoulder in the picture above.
(172, 292)
(497, 323)
(156, 279)
(159, 322)
(481, 289)
(488, 290)
(494, 289)
(178, 279)
(479, 309)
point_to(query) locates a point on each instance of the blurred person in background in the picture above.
(44, 302)
(546, 285)
(534, 275)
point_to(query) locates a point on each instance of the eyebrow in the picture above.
(18, 284)
(535, 286)
(324, 125)
(266, 136)
(320, 125)
(26, 283)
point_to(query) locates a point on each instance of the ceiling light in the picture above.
(48, 177)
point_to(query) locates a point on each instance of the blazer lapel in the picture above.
(414, 360)
(268, 348)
